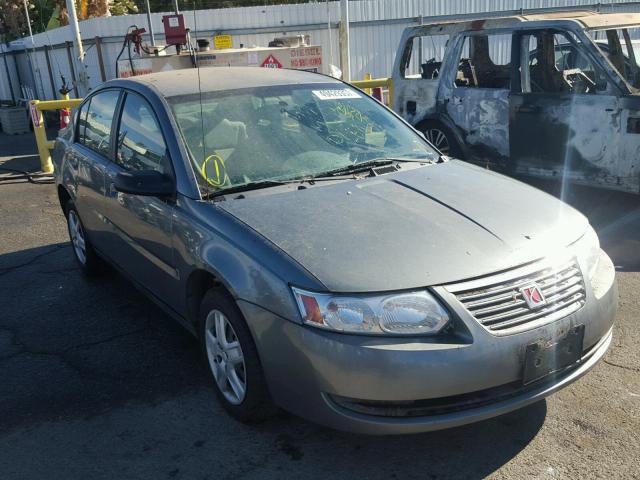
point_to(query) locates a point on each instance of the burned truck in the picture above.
(553, 95)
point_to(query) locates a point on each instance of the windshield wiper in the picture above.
(245, 187)
(369, 164)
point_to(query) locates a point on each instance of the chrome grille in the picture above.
(501, 308)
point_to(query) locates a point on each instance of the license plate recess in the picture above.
(544, 358)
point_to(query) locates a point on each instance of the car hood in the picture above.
(420, 227)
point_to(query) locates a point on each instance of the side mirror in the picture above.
(148, 183)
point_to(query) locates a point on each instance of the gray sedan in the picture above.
(330, 261)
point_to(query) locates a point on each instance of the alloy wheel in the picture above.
(76, 233)
(225, 356)
(438, 139)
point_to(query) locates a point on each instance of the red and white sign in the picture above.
(35, 115)
(307, 58)
(271, 62)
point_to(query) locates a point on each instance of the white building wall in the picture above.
(373, 45)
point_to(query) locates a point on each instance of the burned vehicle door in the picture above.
(417, 80)
(476, 99)
(564, 110)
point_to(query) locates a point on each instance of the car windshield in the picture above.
(621, 50)
(288, 132)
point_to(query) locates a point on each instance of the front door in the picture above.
(141, 225)
(564, 111)
(478, 102)
(416, 76)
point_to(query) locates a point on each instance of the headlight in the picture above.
(587, 249)
(413, 313)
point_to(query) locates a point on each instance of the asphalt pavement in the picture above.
(96, 382)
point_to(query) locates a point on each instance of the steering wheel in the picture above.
(313, 161)
(578, 81)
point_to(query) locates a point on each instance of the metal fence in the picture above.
(376, 26)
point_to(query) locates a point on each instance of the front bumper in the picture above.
(321, 375)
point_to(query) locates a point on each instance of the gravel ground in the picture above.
(96, 382)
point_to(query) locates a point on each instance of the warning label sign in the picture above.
(35, 116)
(307, 58)
(271, 62)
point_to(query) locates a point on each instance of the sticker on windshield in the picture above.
(336, 94)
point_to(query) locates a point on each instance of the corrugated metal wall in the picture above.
(375, 32)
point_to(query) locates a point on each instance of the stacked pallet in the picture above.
(14, 120)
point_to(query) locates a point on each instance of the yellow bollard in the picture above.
(44, 145)
(41, 137)
(367, 76)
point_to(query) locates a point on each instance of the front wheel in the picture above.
(443, 139)
(233, 359)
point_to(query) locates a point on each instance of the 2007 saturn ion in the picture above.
(330, 260)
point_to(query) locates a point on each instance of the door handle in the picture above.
(73, 160)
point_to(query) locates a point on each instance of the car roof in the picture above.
(216, 79)
(586, 19)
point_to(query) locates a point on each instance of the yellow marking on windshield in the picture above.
(220, 179)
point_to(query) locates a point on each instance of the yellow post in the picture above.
(41, 137)
(44, 145)
(367, 76)
(368, 84)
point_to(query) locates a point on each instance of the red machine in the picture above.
(174, 30)
(135, 36)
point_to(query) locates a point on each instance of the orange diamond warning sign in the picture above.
(271, 62)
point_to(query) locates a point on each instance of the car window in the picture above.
(425, 59)
(288, 132)
(485, 62)
(620, 48)
(556, 62)
(81, 121)
(97, 132)
(140, 145)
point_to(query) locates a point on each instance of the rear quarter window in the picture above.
(94, 131)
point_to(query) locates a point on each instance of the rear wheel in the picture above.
(83, 252)
(442, 138)
(233, 359)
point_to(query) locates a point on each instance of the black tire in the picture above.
(90, 264)
(442, 138)
(256, 405)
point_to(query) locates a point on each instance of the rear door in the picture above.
(564, 111)
(141, 226)
(89, 157)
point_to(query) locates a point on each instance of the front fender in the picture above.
(251, 268)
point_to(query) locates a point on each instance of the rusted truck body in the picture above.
(547, 95)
